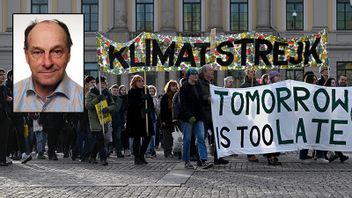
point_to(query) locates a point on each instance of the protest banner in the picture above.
(157, 52)
(280, 117)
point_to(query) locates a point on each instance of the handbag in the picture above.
(177, 140)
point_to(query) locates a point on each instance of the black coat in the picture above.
(249, 82)
(191, 102)
(165, 111)
(136, 112)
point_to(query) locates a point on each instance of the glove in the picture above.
(101, 97)
(192, 120)
(105, 110)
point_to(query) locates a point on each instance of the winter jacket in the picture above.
(248, 83)
(90, 101)
(191, 102)
(136, 113)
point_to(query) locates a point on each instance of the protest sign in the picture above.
(280, 117)
(157, 52)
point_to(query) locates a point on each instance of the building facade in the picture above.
(122, 20)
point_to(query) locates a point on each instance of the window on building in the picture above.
(294, 15)
(346, 69)
(343, 15)
(239, 15)
(91, 69)
(191, 15)
(90, 9)
(39, 6)
(145, 15)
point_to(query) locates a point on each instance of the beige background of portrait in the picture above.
(74, 23)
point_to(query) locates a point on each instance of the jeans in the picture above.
(198, 129)
(117, 138)
(40, 137)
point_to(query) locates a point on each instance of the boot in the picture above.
(137, 160)
(143, 160)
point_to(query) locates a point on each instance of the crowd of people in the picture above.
(142, 122)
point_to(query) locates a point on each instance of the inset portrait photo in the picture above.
(48, 58)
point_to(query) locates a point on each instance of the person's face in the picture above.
(251, 73)
(343, 81)
(152, 91)
(47, 54)
(104, 85)
(229, 83)
(333, 83)
(2, 77)
(275, 79)
(123, 91)
(91, 84)
(209, 74)
(173, 88)
(325, 73)
(140, 83)
(115, 91)
(193, 78)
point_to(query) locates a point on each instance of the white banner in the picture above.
(284, 116)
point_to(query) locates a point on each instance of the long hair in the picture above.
(168, 85)
(134, 80)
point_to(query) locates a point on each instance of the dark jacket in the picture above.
(136, 112)
(5, 107)
(248, 83)
(321, 81)
(191, 102)
(116, 114)
(166, 111)
(205, 100)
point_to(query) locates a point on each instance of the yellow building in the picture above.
(122, 20)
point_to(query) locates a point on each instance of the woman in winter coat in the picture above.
(136, 118)
(167, 126)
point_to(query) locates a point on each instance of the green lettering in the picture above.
(338, 132)
(238, 112)
(320, 122)
(267, 91)
(301, 131)
(300, 99)
(279, 134)
(221, 94)
(281, 100)
(315, 100)
(253, 97)
(336, 103)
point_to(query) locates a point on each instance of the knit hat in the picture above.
(191, 71)
(322, 68)
(272, 74)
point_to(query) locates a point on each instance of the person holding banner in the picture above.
(250, 81)
(228, 82)
(303, 154)
(92, 98)
(331, 82)
(206, 76)
(192, 116)
(137, 113)
(324, 71)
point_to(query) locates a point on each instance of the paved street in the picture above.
(167, 178)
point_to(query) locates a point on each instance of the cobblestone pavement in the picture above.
(167, 178)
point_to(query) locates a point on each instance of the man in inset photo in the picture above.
(47, 48)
